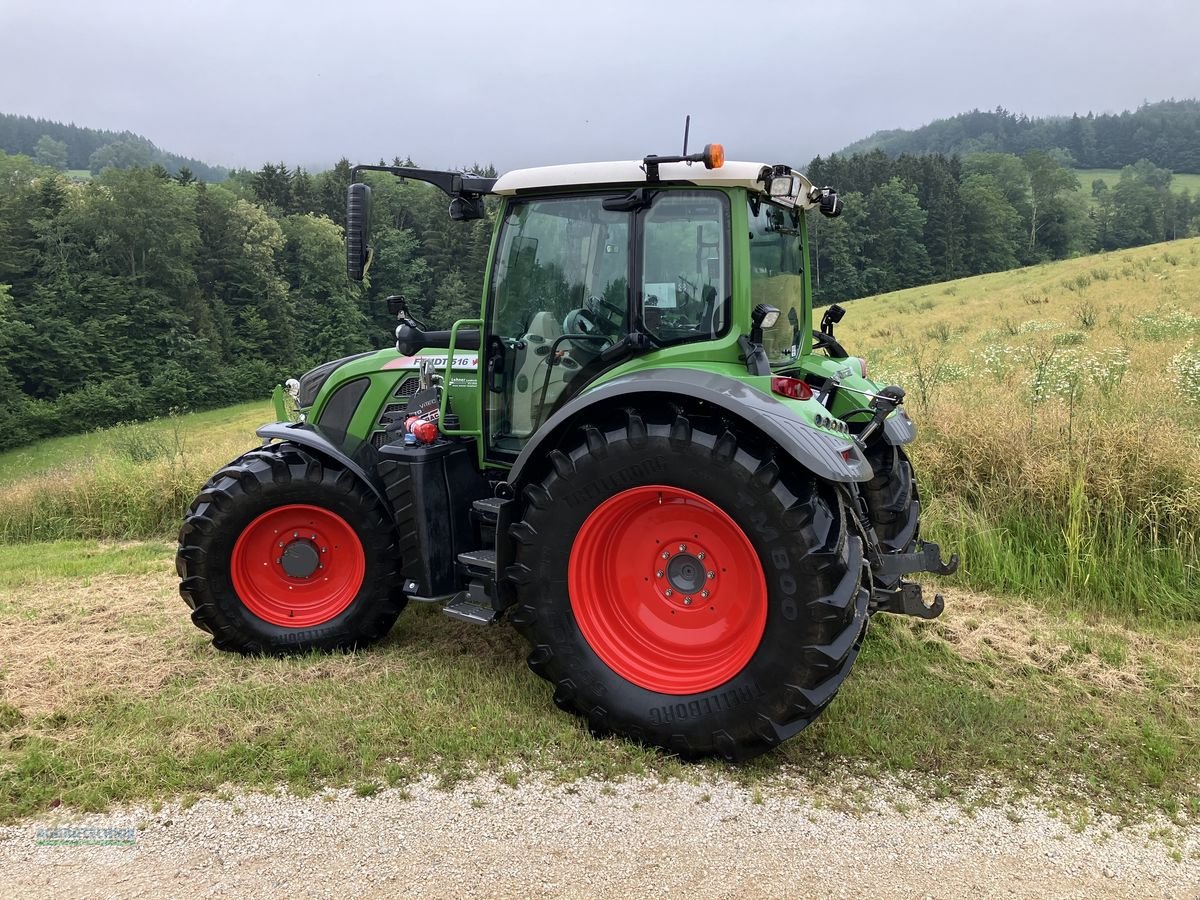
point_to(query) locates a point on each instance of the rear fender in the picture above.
(826, 456)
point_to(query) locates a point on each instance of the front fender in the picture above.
(359, 457)
(899, 429)
(825, 455)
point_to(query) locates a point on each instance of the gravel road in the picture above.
(592, 839)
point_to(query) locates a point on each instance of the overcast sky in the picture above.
(240, 82)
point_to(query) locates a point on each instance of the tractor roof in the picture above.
(632, 173)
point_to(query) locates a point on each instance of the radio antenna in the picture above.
(687, 125)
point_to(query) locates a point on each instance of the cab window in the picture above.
(685, 284)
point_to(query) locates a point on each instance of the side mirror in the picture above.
(465, 208)
(358, 230)
(830, 204)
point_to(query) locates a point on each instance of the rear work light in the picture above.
(794, 388)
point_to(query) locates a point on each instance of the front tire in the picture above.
(282, 552)
(683, 588)
(892, 498)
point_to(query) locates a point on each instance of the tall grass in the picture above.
(1060, 444)
(127, 482)
(1100, 508)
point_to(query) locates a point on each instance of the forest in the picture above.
(918, 219)
(73, 147)
(149, 288)
(1164, 133)
(137, 293)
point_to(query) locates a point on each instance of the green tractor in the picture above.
(641, 454)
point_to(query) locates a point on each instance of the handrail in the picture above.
(458, 432)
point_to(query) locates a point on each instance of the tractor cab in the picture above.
(599, 267)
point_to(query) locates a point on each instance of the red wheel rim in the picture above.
(667, 590)
(298, 566)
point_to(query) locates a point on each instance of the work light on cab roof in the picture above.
(640, 453)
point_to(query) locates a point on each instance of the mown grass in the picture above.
(1059, 408)
(110, 695)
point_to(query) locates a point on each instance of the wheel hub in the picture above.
(300, 558)
(685, 573)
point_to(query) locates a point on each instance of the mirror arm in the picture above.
(455, 184)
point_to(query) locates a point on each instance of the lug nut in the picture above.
(668, 592)
(666, 554)
(659, 573)
(682, 548)
(278, 560)
(704, 594)
(712, 574)
(687, 601)
(295, 534)
(701, 555)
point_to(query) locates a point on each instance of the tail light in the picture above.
(794, 388)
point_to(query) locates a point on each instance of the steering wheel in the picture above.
(587, 322)
(592, 318)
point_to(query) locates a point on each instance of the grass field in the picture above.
(1059, 452)
(130, 481)
(1059, 415)
(110, 694)
(1179, 183)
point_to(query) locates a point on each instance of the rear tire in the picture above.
(282, 552)
(789, 593)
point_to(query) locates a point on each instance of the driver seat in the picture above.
(530, 372)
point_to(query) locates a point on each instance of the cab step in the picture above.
(464, 608)
(487, 515)
(475, 604)
(478, 562)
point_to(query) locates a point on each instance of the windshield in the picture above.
(777, 276)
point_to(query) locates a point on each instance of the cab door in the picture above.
(559, 297)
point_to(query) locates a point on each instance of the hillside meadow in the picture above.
(1060, 415)
(1059, 408)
